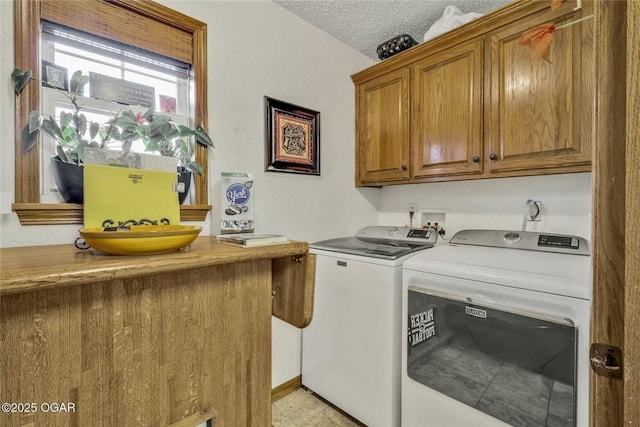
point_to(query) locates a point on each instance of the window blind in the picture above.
(115, 22)
(114, 49)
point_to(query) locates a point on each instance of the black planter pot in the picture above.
(68, 178)
(184, 176)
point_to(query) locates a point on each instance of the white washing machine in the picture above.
(351, 349)
(497, 331)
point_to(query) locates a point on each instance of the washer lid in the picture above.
(381, 242)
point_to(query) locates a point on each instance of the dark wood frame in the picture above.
(274, 163)
(45, 76)
(27, 203)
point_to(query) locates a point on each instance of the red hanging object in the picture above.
(539, 39)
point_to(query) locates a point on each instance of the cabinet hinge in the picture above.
(606, 360)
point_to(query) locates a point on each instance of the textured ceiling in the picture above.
(364, 24)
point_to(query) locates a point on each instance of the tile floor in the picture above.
(303, 409)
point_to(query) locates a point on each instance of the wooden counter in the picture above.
(145, 340)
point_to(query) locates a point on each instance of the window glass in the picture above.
(172, 93)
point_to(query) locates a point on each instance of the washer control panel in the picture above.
(419, 236)
(419, 233)
(512, 237)
(525, 240)
(568, 242)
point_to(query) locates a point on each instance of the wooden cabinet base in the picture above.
(145, 351)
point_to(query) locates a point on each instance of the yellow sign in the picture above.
(122, 194)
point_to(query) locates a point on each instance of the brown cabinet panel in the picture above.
(382, 148)
(540, 112)
(144, 351)
(446, 115)
(292, 289)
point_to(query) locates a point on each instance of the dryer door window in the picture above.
(515, 366)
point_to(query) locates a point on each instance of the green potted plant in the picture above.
(161, 135)
(73, 133)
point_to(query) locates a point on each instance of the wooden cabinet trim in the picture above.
(71, 213)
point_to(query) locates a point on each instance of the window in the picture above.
(166, 32)
(75, 50)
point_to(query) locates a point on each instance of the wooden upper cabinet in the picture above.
(446, 115)
(382, 146)
(541, 113)
(480, 107)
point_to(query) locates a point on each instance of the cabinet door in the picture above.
(383, 129)
(292, 287)
(541, 113)
(446, 121)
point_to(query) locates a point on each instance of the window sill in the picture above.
(70, 213)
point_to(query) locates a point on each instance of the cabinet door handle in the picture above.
(404, 167)
(492, 156)
(476, 159)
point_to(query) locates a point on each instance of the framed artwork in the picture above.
(292, 138)
(54, 76)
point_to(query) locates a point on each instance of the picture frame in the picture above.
(54, 76)
(292, 138)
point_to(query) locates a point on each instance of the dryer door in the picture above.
(519, 367)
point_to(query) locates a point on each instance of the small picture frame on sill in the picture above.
(292, 138)
(54, 76)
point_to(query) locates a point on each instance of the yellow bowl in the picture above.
(141, 239)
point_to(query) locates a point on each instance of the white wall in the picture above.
(258, 49)
(498, 203)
